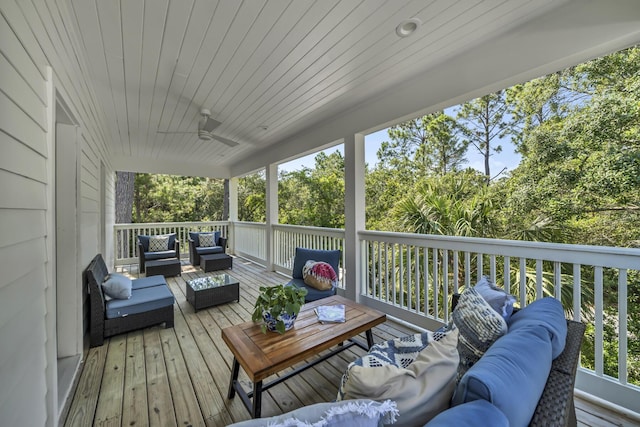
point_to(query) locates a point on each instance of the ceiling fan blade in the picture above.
(210, 124)
(167, 132)
(225, 141)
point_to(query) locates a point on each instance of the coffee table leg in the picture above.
(235, 370)
(257, 399)
(369, 338)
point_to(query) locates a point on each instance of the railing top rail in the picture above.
(603, 256)
(338, 232)
(166, 224)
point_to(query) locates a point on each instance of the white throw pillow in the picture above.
(422, 390)
(117, 286)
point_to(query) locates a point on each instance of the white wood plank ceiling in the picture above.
(267, 70)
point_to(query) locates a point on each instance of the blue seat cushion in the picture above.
(149, 256)
(302, 255)
(313, 294)
(547, 313)
(209, 250)
(511, 374)
(148, 282)
(142, 300)
(478, 413)
(195, 236)
(144, 240)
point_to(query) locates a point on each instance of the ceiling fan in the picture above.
(206, 125)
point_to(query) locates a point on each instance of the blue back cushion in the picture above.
(332, 257)
(195, 236)
(511, 374)
(478, 413)
(547, 313)
(144, 240)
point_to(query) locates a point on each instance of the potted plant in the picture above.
(278, 306)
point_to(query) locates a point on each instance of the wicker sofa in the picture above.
(151, 303)
(555, 406)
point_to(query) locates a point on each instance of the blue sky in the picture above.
(507, 158)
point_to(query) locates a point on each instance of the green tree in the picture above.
(314, 197)
(427, 145)
(482, 122)
(252, 193)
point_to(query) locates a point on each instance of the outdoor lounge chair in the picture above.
(147, 251)
(196, 248)
(302, 255)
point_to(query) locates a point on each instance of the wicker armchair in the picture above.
(144, 254)
(195, 249)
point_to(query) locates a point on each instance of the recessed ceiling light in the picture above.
(407, 27)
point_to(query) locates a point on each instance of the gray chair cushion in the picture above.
(149, 256)
(148, 282)
(209, 250)
(312, 293)
(302, 255)
(142, 300)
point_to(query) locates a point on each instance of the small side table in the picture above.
(164, 267)
(215, 262)
(212, 290)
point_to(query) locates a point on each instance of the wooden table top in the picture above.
(262, 355)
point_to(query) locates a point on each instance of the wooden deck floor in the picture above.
(180, 375)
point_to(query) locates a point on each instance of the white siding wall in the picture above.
(32, 38)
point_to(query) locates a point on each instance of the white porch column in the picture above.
(233, 212)
(272, 210)
(354, 213)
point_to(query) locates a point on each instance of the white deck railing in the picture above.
(250, 240)
(412, 276)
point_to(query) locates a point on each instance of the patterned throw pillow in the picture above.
(206, 240)
(158, 243)
(479, 326)
(421, 390)
(319, 275)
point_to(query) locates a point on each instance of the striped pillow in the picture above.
(479, 326)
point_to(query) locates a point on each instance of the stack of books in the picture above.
(330, 313)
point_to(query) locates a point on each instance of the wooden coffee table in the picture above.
(262, 355)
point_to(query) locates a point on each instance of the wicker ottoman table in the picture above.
(215, 262)
(212, 290)
(164, 267)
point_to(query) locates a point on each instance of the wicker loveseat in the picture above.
(556, 405)
(151, 303)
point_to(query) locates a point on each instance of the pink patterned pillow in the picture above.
(319, 275)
